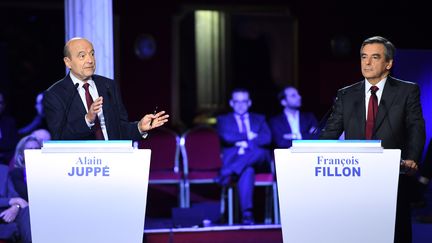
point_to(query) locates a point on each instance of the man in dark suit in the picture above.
(85, 106)
(291, 123)
(398, 122)
(244, 137)
(13, 209)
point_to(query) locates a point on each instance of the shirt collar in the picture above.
(245, 115)
(289, 114)
(380, 85)
(76, 80)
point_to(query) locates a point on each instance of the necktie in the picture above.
(96, 127)
(243, 124)
(372, 111)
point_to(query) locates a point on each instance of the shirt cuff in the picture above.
(143, 134)
(90, 125)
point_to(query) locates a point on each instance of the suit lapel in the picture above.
(387, 98)
(107, 106)
(359, 110)
(69, 89)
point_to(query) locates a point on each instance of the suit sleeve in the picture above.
(277, 132)
(312, 123)
(228, 132)
(128, 130)
(264, 134)
(64, 126)
(7, 190)
(415, 125)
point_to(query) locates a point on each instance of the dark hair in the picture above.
(389, 51)
(281, 94)
(237, 90)
(66, 52)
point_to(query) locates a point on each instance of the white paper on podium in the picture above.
(87, 196)
(323, 201)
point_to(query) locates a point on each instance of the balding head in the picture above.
(66, 52)
(79, 57)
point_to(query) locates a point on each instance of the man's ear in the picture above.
(389, 65)
(231, 104)
(67, 61)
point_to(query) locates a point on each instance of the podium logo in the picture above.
(89, 167)
(337, 167)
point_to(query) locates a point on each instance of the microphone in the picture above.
(324, 118)
(63, 123)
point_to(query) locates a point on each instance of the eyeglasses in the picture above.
(240, 101)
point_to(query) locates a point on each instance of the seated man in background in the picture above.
(13, 209)
(244, 138)
(291, 123)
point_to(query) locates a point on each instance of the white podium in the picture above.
(87, 191)
(337, 191)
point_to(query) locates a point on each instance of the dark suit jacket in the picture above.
(229, 134)
(279, 126)
(63, 94)
(399, 123)
(7, 190)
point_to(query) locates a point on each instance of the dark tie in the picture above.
(372, 111)
(243, 124)
(96, 127)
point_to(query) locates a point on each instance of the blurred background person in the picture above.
(245, 137)
(291, 123)
(18, 171)
(38, 121)
(13, 209)
(42, 135)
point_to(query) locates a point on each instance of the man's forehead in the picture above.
(81, 45)
(374, 48)
(238, 95)
(290, 90)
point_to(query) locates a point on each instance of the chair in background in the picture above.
(164, 163)
(201, 153)
(267, 180)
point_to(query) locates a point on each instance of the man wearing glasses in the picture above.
(245, 137)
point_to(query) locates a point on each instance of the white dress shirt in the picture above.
(94, 94)
(294, 123)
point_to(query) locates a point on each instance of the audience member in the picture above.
(18, 171)
(13, 209)
(384, 108)
(8, 133)
(38, 121)
(85, 106)
(292, 123)
(244, 136)
(42, 135)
